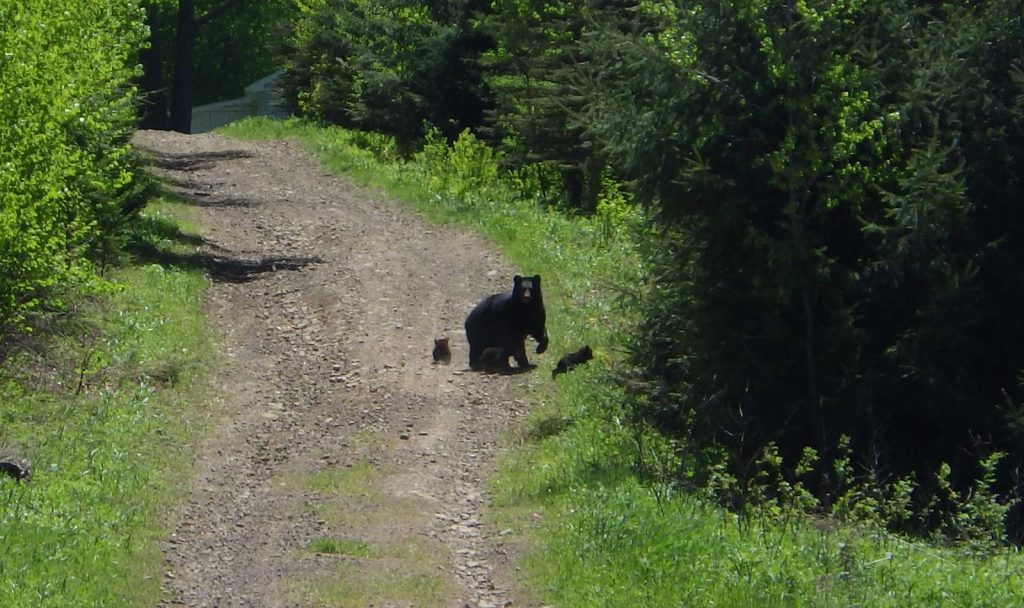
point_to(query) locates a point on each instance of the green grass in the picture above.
(600, 536)
(340, 546)
(372, 583)
(354, 481)
(622, 546)
(103, 404)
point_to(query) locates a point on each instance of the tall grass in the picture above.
(592, 489)
(103, 404)
(625, 546)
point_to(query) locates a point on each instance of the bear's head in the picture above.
(526, 289)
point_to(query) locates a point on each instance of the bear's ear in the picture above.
(536, 281)
(517, 280)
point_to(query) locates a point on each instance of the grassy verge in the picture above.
(103, 405)
(623, 546)
(579, 487)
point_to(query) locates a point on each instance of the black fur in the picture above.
(504, 320)
(495, 360)
(571, 360)
(442, 351)
(18, 469)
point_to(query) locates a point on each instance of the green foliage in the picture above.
(467, 168)
(774, 495)
(67, 177)
(861, 497)
(386, 66)
(838, 249)
(536, 93)
(102, 409)
(238, 47)
(615, 211)
(626, 546)
(231, 51)
(974, 516)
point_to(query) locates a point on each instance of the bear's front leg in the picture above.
(474, 356)
(542, 343)
(519, 353)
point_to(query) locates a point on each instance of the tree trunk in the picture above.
(184, 67)
(153, 112)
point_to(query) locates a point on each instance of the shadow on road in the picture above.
(156, 243)
(161, 242)
(193, 161)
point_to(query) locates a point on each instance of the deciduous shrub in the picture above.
(66, 170)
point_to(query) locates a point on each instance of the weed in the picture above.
(340, 546)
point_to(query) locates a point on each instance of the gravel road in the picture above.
(342, 467)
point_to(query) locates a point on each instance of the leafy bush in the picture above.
(66, 169)
(465, 169)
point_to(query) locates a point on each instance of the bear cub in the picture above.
(571, 360)
(500, 324)
(494, 360)
(442, 351)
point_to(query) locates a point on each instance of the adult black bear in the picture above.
(503, 321)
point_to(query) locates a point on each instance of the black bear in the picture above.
(503, 320)
(571, 360)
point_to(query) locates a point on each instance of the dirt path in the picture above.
(345, 468)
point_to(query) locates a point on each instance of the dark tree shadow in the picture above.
(194, 160)
(190, 195)
(208, 200)
(190, 191)
(548, 426)
(149, 228)
(216, 261)
(234, 270)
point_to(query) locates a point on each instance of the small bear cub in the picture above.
(571, 360)
(494, 360)
(442, 351)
